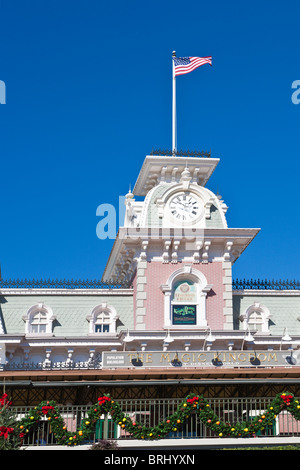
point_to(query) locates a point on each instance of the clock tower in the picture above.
(185, 207)
(175, 247)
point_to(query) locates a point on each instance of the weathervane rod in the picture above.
(174, 139)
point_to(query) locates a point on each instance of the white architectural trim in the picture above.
(28, 318)
(167, 169)
(113, 317)
(262, 310)
(267, 292)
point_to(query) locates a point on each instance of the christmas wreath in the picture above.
(106, 405)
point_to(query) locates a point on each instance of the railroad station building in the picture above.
(166, 319)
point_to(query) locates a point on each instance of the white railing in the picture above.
(150, 412)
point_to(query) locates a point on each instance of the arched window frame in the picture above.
(187, 273)
(30, 322)
(256, 307)
(112, 318)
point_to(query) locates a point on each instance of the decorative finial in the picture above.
(129, 195)
(185, 175)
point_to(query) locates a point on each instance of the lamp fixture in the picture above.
(248, 338)
(168, 338)
(285, 337)
(209, 337)
(127, 339)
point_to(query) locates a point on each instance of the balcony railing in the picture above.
(181, 153)
(237, 284)
(149, 412)
(266, 284)
(62, 284)
(51, 365)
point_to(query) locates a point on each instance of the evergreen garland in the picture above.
(9, 439)
(191, 404)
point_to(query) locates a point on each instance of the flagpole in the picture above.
(174, 143)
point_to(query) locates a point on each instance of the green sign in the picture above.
(184, 314)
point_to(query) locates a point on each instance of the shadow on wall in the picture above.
(2, 301)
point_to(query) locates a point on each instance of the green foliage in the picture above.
(191, 404)
(9, 439)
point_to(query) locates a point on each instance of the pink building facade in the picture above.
(177, 251)
(158, 274)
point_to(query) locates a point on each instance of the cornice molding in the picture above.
(267, 292)
(130, 240)
(157, 168)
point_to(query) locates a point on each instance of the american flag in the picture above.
(184, 65)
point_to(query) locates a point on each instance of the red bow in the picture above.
(102, 400)
(4, 431)
(287, 399)
(192, 400)
(4, 401)
(45, 409)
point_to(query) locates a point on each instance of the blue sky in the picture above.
(89, 94)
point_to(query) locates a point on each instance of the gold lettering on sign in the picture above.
(273, 356)
(262, 357)
(239, 357)
(184, 359)
(232, 356)
(165, 357)
(148, 357)
(199, 357)
(205, 358)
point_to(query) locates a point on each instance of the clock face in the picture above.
(185, 207)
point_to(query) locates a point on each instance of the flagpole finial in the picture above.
(174, 54)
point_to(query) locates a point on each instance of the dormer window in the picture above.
(103, 320)
(255, 321)
(39, 320)
(256, 318)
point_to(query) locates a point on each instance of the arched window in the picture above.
(103, 320)
(255, 321)
(185, 298)
(39, 320)
(256, 318)
(184, 302)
